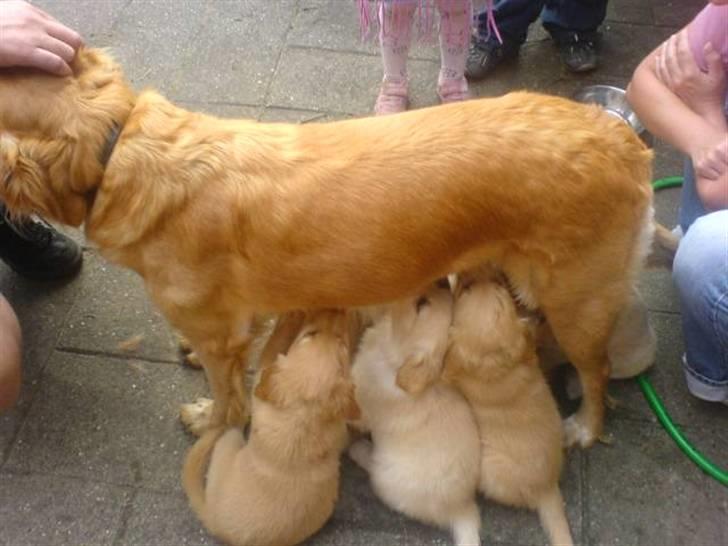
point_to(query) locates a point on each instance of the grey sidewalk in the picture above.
(93, 452)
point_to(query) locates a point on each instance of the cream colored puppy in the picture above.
(492, 360)
(281, 486)
(425, 457)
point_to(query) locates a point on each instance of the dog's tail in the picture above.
(193, 472)
(663, 248)
(466, 526)
(552, 514)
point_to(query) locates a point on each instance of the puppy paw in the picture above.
(361, 453)
(577, 433)
(197, 416)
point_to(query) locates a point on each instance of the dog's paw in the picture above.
(197, 416)
(189, 357)
(577, 433)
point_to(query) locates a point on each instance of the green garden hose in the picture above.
(655, 403)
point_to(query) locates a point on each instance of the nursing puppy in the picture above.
(228, 218)
(424, 458)
(492, 360)
(280, 486)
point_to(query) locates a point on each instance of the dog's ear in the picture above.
(418, 372)
(22, 184)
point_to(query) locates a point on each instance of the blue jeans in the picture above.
(700, 273)
(562, 18)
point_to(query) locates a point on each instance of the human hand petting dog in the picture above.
(30, 37)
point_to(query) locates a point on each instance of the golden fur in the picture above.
(280, 486)
(424, 457)
(227, 218)
(492, 361)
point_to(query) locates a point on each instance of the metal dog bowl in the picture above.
(614, 102)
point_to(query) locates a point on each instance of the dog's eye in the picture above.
(421, 303)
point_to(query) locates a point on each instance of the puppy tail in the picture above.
(193, 472)
(552, 513)
(663, 248)
(466, 526)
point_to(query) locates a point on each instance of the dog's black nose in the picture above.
(443, 283)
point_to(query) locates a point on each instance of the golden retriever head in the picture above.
(419, 328)
(315, 370)
(53, 133)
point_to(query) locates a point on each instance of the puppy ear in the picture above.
(418, 373)
(265, 389)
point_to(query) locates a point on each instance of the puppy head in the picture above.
(53, 132)
(487, 331)
(315, 372)
(419, 331)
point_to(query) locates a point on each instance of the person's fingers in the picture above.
(683, 53)
(662, 71)
(57, 47)
(64, 34)
(671, 59)
(713, 60)
(48, 61)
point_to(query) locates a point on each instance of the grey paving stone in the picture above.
(152, 37)
(113, 309)
(626, 11)
(97, 417)
(643, 491)
(163, 519)
(38, 509)
(93, 19)
(668, 380)
(236, 62)
(42, 309)
(350, 83)
(625, 45)
(675, 14)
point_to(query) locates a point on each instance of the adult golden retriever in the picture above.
(228, 218)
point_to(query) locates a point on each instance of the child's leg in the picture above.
(9, 356)
(455, 25)
(395, 34)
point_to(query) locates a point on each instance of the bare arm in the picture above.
(684, 106)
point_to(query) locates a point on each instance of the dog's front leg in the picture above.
(225, 361)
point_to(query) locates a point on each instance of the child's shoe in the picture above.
(393, 98)
(453, 90)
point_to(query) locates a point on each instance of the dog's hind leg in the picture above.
(582, 325)
(466, 526)
(552, 513)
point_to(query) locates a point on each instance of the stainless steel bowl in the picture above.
(614, 101)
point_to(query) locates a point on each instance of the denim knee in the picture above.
(701, 276)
